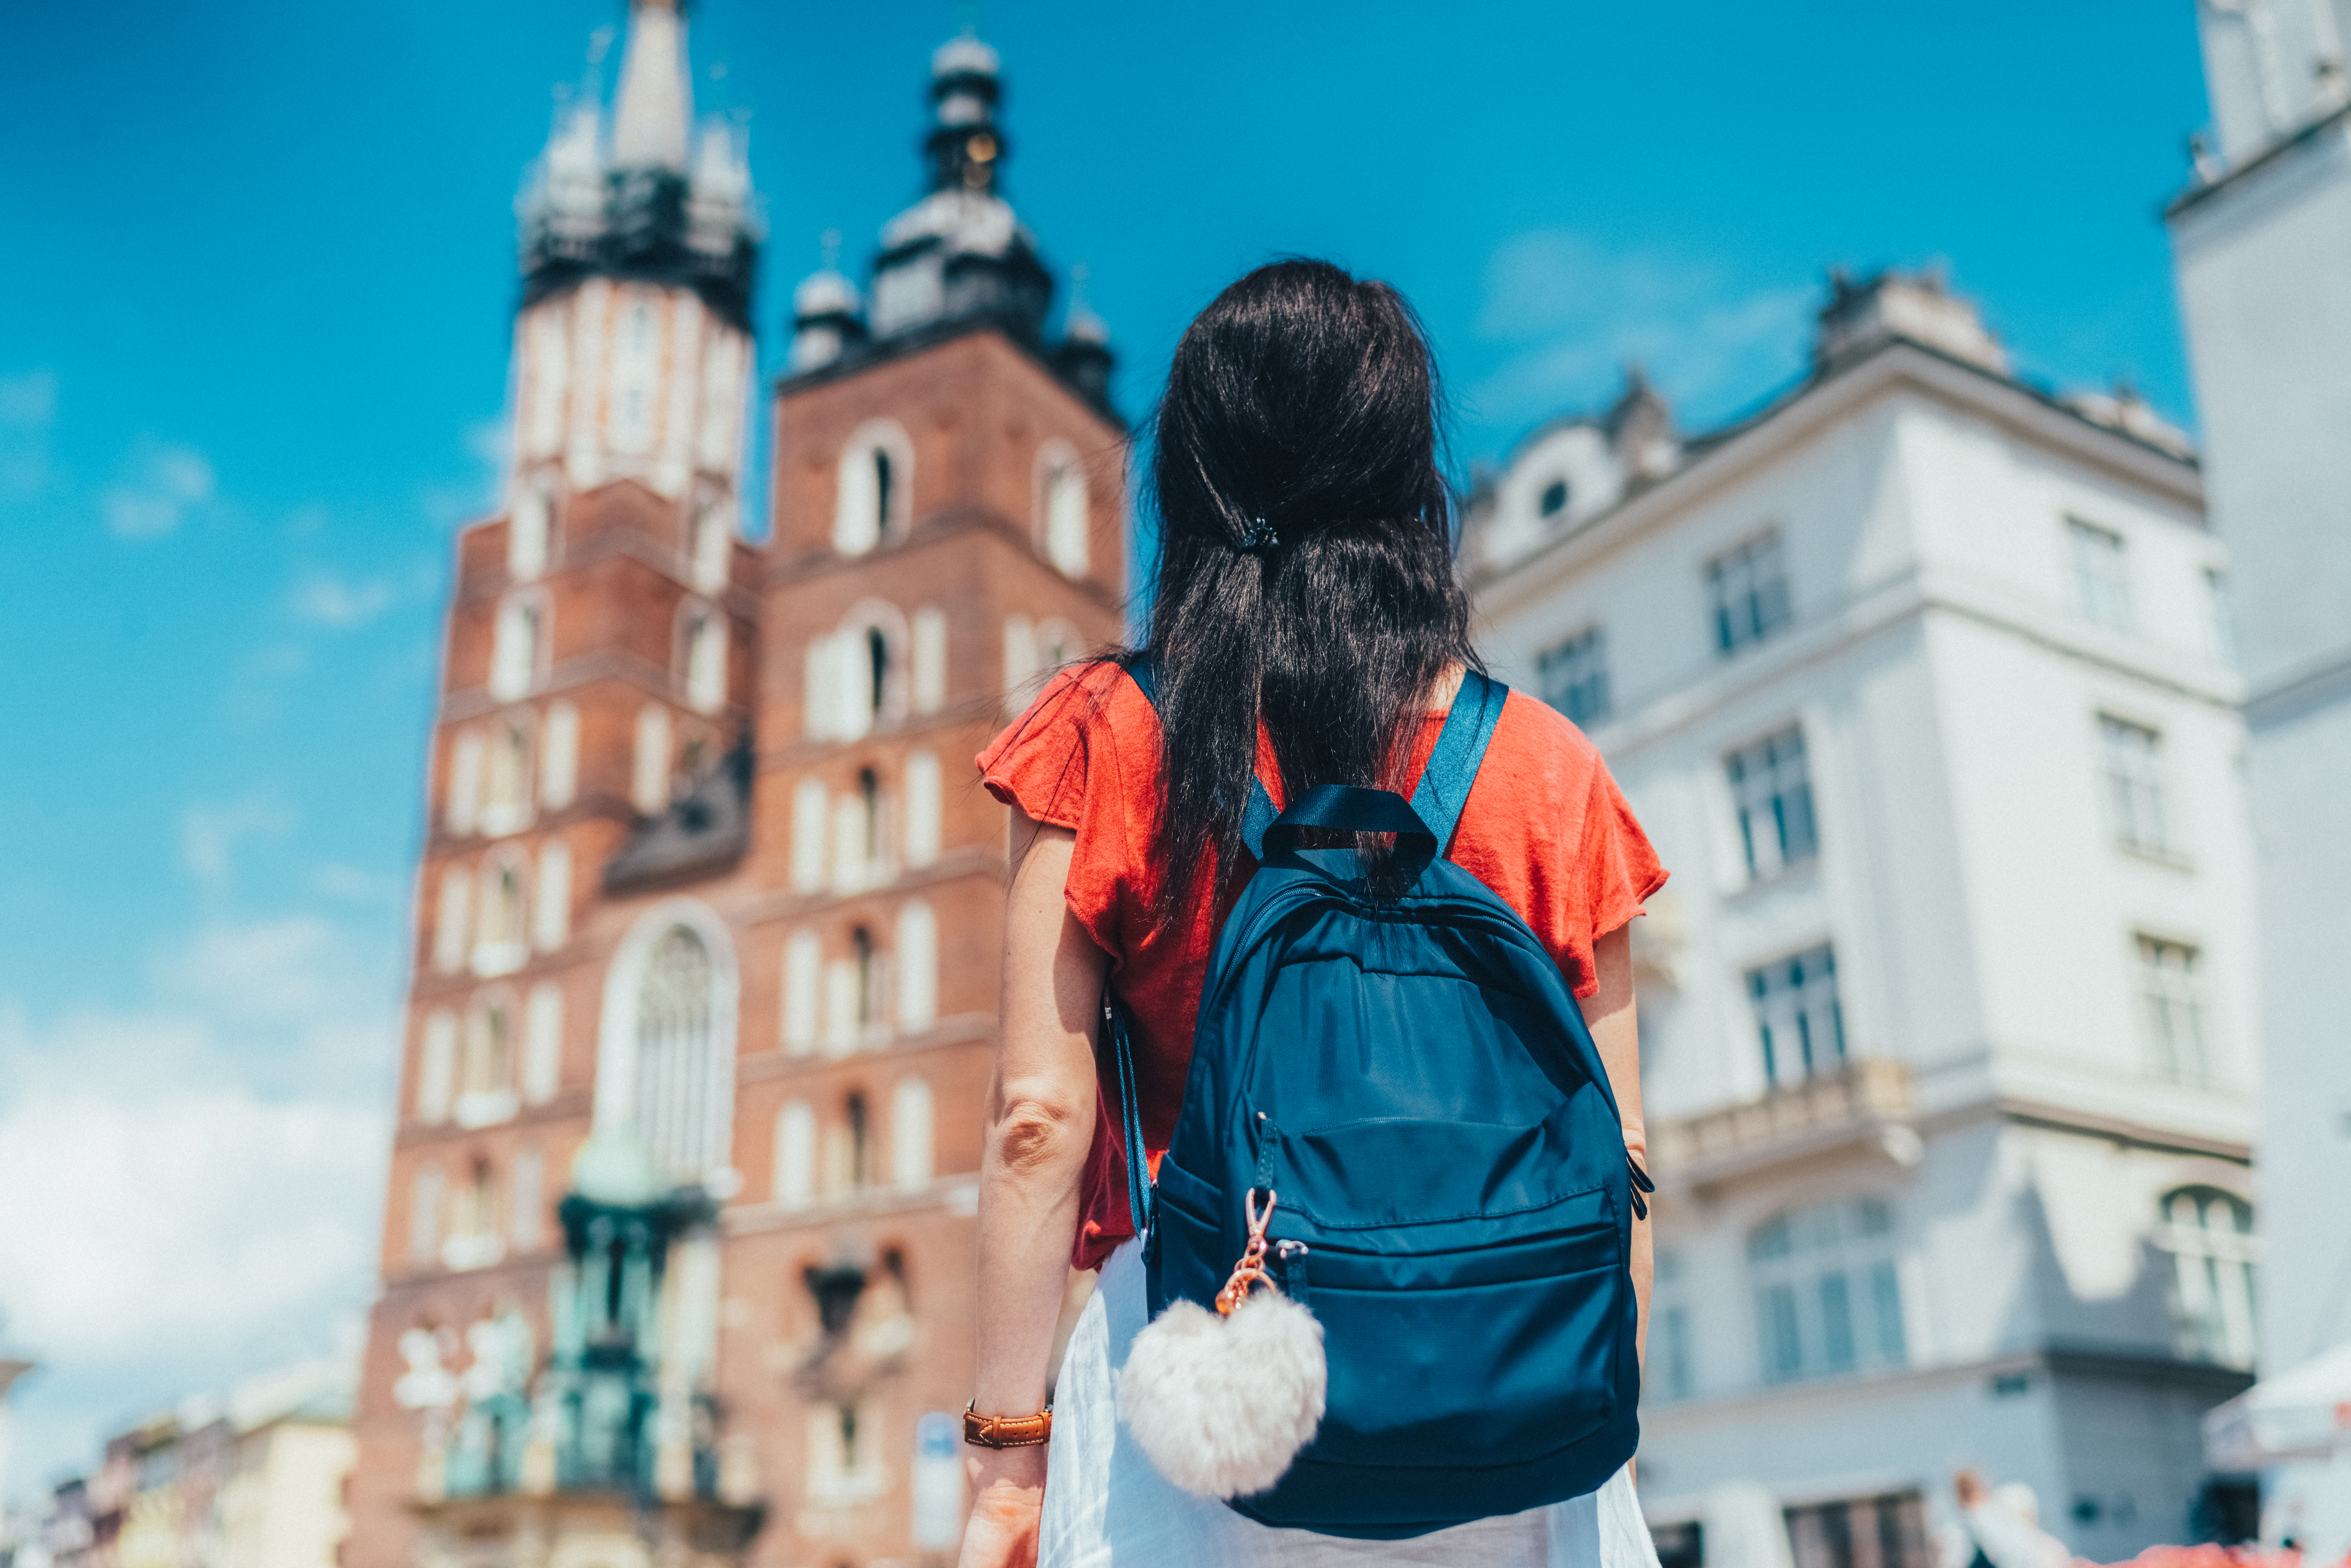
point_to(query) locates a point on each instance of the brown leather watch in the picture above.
(1006, 1431)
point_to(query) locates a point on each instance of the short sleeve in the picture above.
(1058, 763)
(1620, 869)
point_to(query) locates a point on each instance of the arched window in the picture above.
(633, 375)
(861, 836)
(857, 677)
(473, 1242)
(518, 646)
(425, 1217)
(558, 758)
(649, 776)
(811, 813)
(528, 531)
(449, 920)
(1828, 1289)
(2210, 1235)
(436, 1067)
(858, 1124)
(677, 1058)
(462, 808)
(542, 1061)
(803, 980)
(1057, 644)
(711, 545)
(702, 643)
(498, 946)
(930, 628)
(874, 485)
(794, 1183)
(921, 809)
(910, 1135)
(918, 962)
(1062, 519)
(552, 903)
(485, 1088)
(506, 778)
(665, 1040)
(861, 945)
(869, 807)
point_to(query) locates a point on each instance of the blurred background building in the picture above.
(677, 1253)
(1917, 679)
(2259, 239)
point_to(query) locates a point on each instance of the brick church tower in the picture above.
(678, 1246)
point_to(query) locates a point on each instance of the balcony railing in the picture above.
(1868, 1102)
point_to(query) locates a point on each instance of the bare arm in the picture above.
(1040, 1126)
(1615, 1030)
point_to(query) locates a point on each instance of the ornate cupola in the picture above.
(660, 203)
(959, 252)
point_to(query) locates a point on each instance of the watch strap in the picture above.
(1006, 1431)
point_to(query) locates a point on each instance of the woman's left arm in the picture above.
(1617, 1030)
(1041, 1107)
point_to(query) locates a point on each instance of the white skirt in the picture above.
(1104, 1503)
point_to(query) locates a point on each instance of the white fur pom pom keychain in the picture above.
(1222, 1402)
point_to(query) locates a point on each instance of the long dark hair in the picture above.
(1306, 559)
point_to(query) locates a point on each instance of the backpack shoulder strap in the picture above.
(1259, 814)
(1452, 767)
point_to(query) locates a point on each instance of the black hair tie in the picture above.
(1261, 538)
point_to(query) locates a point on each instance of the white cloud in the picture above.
(160, 483)
(1577, 312)
(324, 599)
(209, 835)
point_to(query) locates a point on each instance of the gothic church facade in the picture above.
(678, 1241)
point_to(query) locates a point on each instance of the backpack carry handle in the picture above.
(1349, 809)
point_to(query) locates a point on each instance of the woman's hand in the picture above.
(1007, 1488)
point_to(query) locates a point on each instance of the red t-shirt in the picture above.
(1545, 827)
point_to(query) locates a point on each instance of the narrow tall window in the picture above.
(633, 375)
(527, 536)
(1747, 587)
(648, 775)
(2210, 1235)
(551, 906)
(498, 946)
(2172, 999)
(1065, 521)
(706, 660)
(490, 1053)
(437, 1068)
(1828, 1290)
(463, 809)
(516, 647)
(473, 1242)
(713, 544)
(883, 478)
(877, 670)
(795, 1174)
(917, 962)
(2135, 783)
(1019, 656)
(528, 1200)
(1574, 676)
(921, 809)
(811, 815)
(425, 1217)
(803, 980)
(910, 1135)
(1799, 1020)
(678, 1117)
(2101, 575)
(869, 808)
(542, 1062)
(853, 1116)
(506, 781)
(449, 920)
(874, 480)
(558, 758)
(1772, 787)
(930, 633)
(861, 945)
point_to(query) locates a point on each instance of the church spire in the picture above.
(657, 100)
(965, 146)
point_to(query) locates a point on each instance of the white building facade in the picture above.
(1916, 680)
(2260, 240)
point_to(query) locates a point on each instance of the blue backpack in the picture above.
(1411, 1074)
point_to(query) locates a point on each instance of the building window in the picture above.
(794, 1184)
(527, 1201)
(844, 1471)
(1676, 1347)
(488, 1087)
(921, 807)
(1828, 1290)
(1748, 587)
(2210, 1235)
(1772, 787)
(1063, 522)
(930, 659)
(856, 1123)
(437, 1068)
(473, 1242)
(1574, 676)
(910, 1135)
(542, 1061)
(861, 945)
(527, 536)
(811, 815)
(463, 809)
(649, 774)
(874, 477)
(1554, 498)
(1057, 644)
(711, 546)
(803, 980)
(506, 780)
(1888, 1530)
(2133, 783)
(449, 920)
(632, 376)
(917, 962)
(518, 646)
(876, 685)
(425, 1218)
(1798, 1018)
(869, 810)
(2172, 999)
(705, 649)
(551, 906)
(677, 1064)
(1019, 658)
(498, 941)
(2101, 578)
(558, 758)
(855, 679)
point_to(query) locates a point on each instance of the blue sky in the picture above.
(259, 268)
